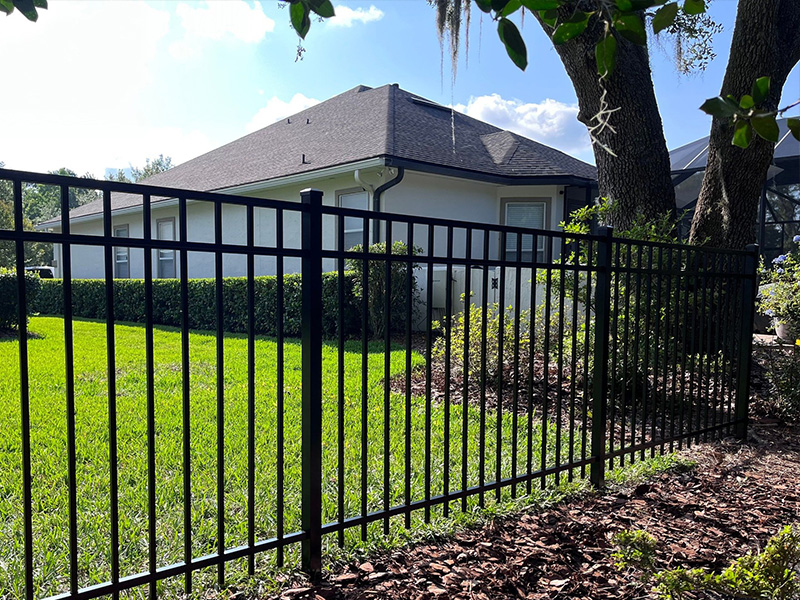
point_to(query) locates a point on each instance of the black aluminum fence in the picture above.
(491, 362)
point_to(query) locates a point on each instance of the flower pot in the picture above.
(788, 332)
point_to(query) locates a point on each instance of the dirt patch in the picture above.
(739, 495)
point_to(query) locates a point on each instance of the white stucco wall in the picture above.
(418, 194)
(450, 198)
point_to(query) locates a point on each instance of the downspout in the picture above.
(376, 198)
(368, 187)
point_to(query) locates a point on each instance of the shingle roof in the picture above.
(359, 124)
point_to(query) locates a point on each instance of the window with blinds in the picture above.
(529, 215)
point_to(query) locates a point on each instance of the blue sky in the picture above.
(96, 85)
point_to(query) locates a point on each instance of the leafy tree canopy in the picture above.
(151, 167)
(35, 253)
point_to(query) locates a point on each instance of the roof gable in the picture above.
(500, 146)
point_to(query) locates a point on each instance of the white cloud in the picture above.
(73, 41)
(216, 21)
(276, 109)
(78, 101)
(346, 16)
(550, 122)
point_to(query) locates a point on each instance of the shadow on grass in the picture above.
(12, 335)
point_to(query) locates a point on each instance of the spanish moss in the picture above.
(451, 15)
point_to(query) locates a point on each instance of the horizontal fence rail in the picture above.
(213, 384)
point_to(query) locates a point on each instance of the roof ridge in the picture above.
(512, 151)
(390, 119)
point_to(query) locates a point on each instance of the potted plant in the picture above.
(780, 296)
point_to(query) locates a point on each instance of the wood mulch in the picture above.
(737, 497)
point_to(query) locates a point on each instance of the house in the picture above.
(779, 210)
(383, 149)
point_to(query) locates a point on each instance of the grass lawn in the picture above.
(49, 448)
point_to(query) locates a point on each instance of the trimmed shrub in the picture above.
(377, 285)
(457, 332)
(9, 303)
(89, 301)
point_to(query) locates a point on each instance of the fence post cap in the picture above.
(311, 196)
(605, 230)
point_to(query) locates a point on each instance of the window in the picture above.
(529, 215)
(122, 265)
(165, 230)
(354, 227)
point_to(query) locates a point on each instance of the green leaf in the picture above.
(746, 102)
(27, 8)
(572, 28)
(794, 127)
(605, 54)
(40, 3)
(760, 89)
(645, 4)
(694, 7)
(300, 20)
(323, 8)
(484, 5)
(549, 17)
(743, 134)
(541, 4)
(512, 7)
(719, 107)
(766, 126)
(499, 5)
(6, 6)
(665, 16)
(512, 40)
(631, 28)
(625, 5)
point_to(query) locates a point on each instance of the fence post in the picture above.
(312, 380)
(749, 288)
(600, 361)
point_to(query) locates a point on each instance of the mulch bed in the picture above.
(739, 495)
(439, 385)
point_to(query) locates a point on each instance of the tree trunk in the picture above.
(637, 180)
(766, 42)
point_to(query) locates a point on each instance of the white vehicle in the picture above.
(43, 272)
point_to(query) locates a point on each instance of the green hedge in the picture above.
(89, 301)
(376, 286)
(9, 306)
